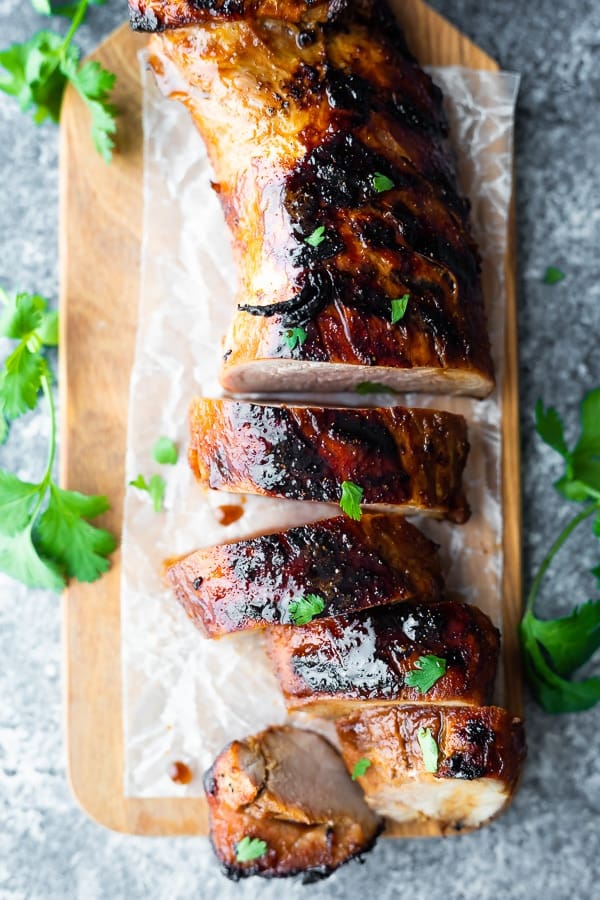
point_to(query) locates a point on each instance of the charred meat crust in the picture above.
(250, 584)
(315, 110)
(158, 15)
(267, 787)
(412, 459)
(335, 666)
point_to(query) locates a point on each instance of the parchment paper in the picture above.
(185, 697)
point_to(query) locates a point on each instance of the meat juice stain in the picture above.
(180, 773)
(228, 514)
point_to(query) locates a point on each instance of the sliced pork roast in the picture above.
(329, 146)
(409, 459)
(412, 653)
(281, 802)
(456, 765)
(346, 565)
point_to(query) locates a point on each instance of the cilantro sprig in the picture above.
(350, 500)
(360, 768)
(554, 649)
(45, 533)
(427, 671)
(37, 71)
(249, 849)
(429, 749)
(304, 609)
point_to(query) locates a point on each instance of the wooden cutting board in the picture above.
(101, 224)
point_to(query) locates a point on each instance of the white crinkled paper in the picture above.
(184, 697)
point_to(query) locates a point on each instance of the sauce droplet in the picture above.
(227, 514)
(180, 773)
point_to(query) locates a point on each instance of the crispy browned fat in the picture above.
(334, 667)
(330, 154)
(476, 755)
(288, 788)
(249, 584)
(411, 460)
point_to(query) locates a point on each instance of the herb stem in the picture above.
(75, 23)
(47, 478)
(560, 540)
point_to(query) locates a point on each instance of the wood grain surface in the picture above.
(101, 223)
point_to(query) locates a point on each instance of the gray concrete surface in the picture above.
(549, 842)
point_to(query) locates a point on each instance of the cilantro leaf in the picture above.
(571, 640)
(20, 381)
(22, 314)
(360, 767)
(351, 499)
(399, 308)
(554, 693)
(94, 84)
(295, 337)
(550, 428)
(427, 671)
(317, 237)
(382, 183)
(250, 848)
(429, 749)
(373, 387)
(165, 452)
(156, 488)
(20, 559)
(16, 501)
(304, 609)
(64, 535)
(48, 329)
(553, 275)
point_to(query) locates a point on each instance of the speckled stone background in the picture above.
(548, 844)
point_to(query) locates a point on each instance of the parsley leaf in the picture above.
(351, 499)
(427, 671)
(360, 767)
(382, 183)
(165, 452)
(399, 307)
(429, 749)
(317, 237)
(553, 275)
(16, 503)
(20, 559)
(373, 387)
(295, 337)
(304, 609)
(250, 848)
(155, 487)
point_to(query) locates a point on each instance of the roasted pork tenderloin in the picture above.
(383, 657)
(408, 460)
(289, 789)
(347, 565)
(457, 766)
(329, 146)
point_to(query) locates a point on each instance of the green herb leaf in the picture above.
(22, 314)
(382, 183)
(429, 749)
(553, 275)
(48, 329)
(165, 452)
(360, 768)
(20, 381)
(64, 535)
(399, 307)
(351, 499)
(42, 7)
(550, 428)
(317, 237)
(249, 849)
(16, 502)
(20, 560)
(294, 337)
(373, 387)
(569, 641)
(554, 693)
(427, 671)
(94, 84)
(155, 487)
(304, 609)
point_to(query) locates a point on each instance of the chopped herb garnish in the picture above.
(317, 237)
(427, 671)
(360, 768)
(382, 183)
(553, 275)
(165, 452)
(351, 499)
(399, 308)
(155, 487)
(429, 749)
(304, 609)
(250, 848)
(373, 387)
(294, 337)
